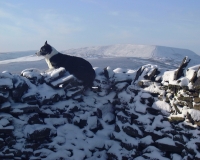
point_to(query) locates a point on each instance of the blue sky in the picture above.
(65, 24)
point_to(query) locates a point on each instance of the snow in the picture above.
(146, 140)
(29, 129)
(84, 141)
(47, 92)
(163, 106)
(161, 55)
(176, 157)
(53, 74)
(4, 122)
(145, 95)
(31, 72)
(195, 114)
(22, 59)
(167, 141)
(158, 123)
(6, 82)
(155, 155)
(131, 50)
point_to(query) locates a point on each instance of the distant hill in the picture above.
(14, 55)
(154, 52)
(130, 50)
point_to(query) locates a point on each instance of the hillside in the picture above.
(122, 55)
(158, 53)
(149, 113)
(14, 55)
(130, 50)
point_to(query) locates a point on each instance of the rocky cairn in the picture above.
(149, 113)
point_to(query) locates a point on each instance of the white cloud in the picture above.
(41, 21)
(28, 31)
(11, 5)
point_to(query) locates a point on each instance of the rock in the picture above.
(65, 81)
(168, 145)
(29, 98)
(35, 119)
(176, 119)
(55, 121)
(130, 114)
(132, 90)
(138, 73)
(33, 75)
(131, 131)
(128, 146)
(10, 141)
(4, 94)
(21, 108)
(39, 132)
(197, 106)
(194, 77)
(153, 111)
(20, 88)
(181, 68)
(42, 152)
(103, 110)
(174, 88)
(140, 108)
(48, 95)
(144, 83)
(2, 143)
(5, 107)
(109, 118)
(179, 138)
(114, 152)
(197, 123)
(117, 128)
(112, 156)
(176, 109)
(8, 153)
(150, 101)
(81, 123)
(118, 120)
(191, 120)
(197, 99)
(197, 83)
(94, 124)
(155, 135)
(69, 116)
(145, 142)
(52, 75)
(187, 99)
(5, 84)
(46, 112)
(121, 86)
(152, 74)
(27, 153)
(2, 99)
(123, 118)
(6, 130)
(72, 92)
(108, 73)
(6, 156)
(103, 85)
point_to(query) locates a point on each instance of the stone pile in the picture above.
(128, 114)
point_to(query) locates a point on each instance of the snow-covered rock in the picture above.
(128, 114)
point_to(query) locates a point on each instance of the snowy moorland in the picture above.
(127, 56)
(143, 111)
